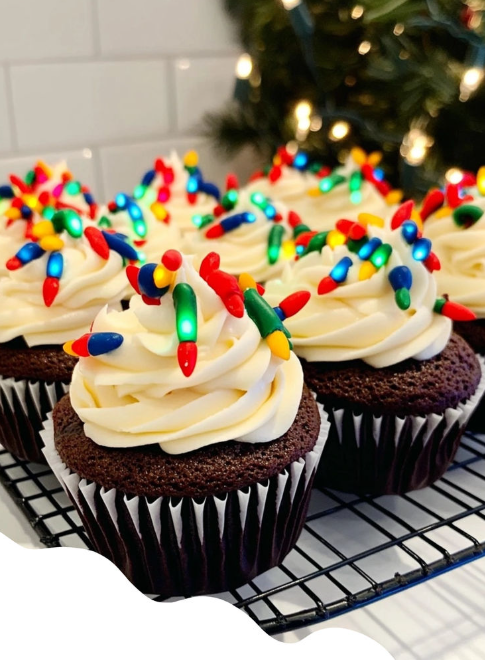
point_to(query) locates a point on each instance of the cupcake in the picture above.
(250, 232)
(149, 228)
(189, 444)
(178, 189)
(55, 285)
(325, 196)
(377, 348)
(457, 229)
(37, 196)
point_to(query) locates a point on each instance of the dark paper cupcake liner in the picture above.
(477, 420)
(184, 546)
(385, 455)
(24, 406)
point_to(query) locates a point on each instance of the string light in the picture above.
(339, 131)
(454, 175)
(303, 111)
(290, 4)
(364, 47)
(398, 29)
(470, 82)
(357, 12)
(244, 66)
(415, 145)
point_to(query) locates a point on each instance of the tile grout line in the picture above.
(96, 29)
(10, 109)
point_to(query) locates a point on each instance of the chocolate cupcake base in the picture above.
(24, 405)
(183, 546)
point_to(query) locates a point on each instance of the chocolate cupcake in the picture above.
(456, 225)
(189, 447)
(55, 284)
(376, 348)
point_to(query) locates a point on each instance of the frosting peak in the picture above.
(142, 394)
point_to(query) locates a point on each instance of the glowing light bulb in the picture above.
(303, 110)
(398, 29)
(415, 145)
(470, 82)
(454, 175)
(339, 130)
(244, 66)
(357, 12)
(364, 47)
(290, 4)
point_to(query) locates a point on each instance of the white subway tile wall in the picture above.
(111, 84)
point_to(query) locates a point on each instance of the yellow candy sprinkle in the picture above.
(159, 211)
(279, 345)
(191, 159)
(481, 180)
(31, 201)
(367, 270)
(45, 168)
(277, 160)
(43, 228)
(394, 197)
(13, 213)
(374, 158)
(163, 277)
(68, 348)
(335, 237)
(51, 243)
(415, 217)
(314, 192)
(443, 212)
(359, 155)
(288, 249)
(370, 219)
(246, 281)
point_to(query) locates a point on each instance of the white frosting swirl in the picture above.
(291, 187)
(462, 255)
(360, 319)
(161, 236)
(87, 284)
(245, 249)
(138, 395)
(12, 237)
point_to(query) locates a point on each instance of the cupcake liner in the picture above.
(24, 405)
(383, 455)
(476, 423)
(187, 546)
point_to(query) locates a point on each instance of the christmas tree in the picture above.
(401, 75)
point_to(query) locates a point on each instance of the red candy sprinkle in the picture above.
(432, 263)
(278, 218)
(209, 263)
(274, 173)
(431, 203)
(216, 231)
(44, 198)
(218, 210)
(294, 303)
(344, 226)
(18, 183)
(235, 306)
(17, 203)
(402, 214)
(159, 165)
(13, 264)
(168, 175)
(191, 198)
(326, 285)
(260, 289)
(112, 207)
(80, 346)
(50, 290)
(457, 312)
(232, 182)
(97, 241)
(151, 301)
(294, 219)
(172, 260)
(187, 357)
(132, 275)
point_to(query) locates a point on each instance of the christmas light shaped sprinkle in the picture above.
(27, 253)
(247, 281)
(225, 285)
(185, 304)
(275, 240)
(94, 344)
(480, 181)
(268, 323)
(401, 280)
(453, 311)
(229, 224)
(431, 203)
(421, 249)
(123, 202)
(403, 213)
(337, 276)
(466, 215)
(263, 203)
(292, 304)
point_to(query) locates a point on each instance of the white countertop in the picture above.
(442, 619)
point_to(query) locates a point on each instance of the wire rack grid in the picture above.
(352, 551)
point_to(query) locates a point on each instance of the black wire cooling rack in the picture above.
(352, 551)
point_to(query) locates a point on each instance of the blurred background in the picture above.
(110, 84)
